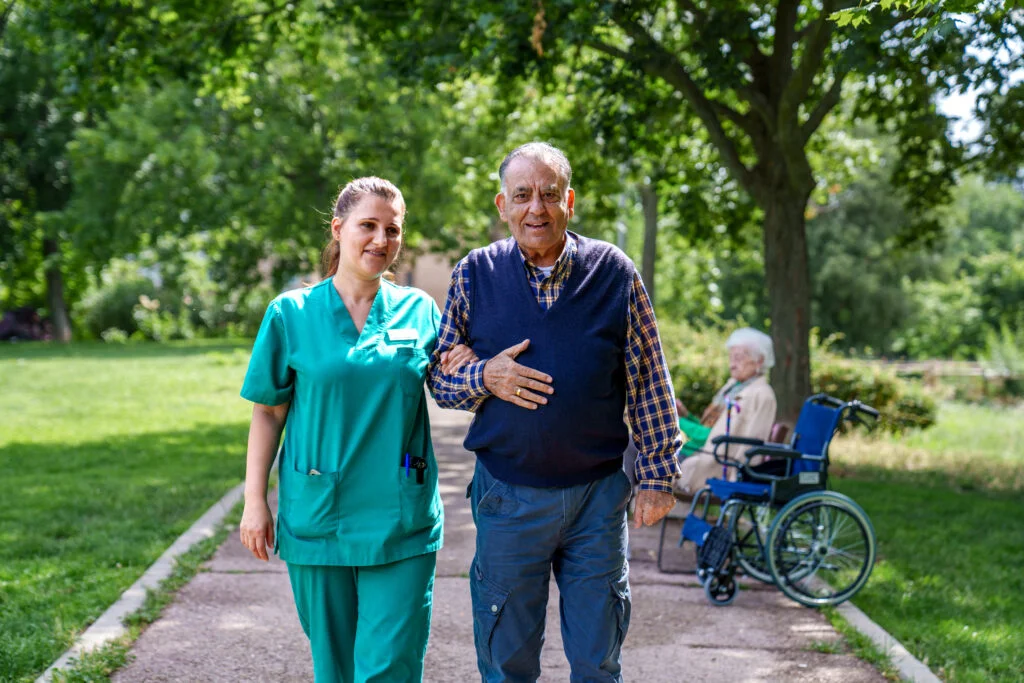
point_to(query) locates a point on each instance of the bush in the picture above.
(902, 405)
(112, 305)
(699, 366)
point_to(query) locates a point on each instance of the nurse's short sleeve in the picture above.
(269, 379)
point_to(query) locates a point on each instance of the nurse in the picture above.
(342, 364)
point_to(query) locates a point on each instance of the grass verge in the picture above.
(860, 645)
(99, 665)
(948, 509)
(109, 453)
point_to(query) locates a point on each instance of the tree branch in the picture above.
(826, 104)
(659, 62)
(6, 15)
(782, 55)
(803, 77)
(610, 50)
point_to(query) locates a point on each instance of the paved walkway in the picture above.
(236, 621)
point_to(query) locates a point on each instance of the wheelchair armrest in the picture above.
(775, 451)
(741, 440)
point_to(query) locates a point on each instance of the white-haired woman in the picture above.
(751, 355)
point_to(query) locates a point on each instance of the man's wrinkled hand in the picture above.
(651, 507)
(515, 383)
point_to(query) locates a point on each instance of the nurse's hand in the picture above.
(257, 528)
(515, 383)
(456, 358)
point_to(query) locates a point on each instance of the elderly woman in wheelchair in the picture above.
(744, 407)
(782, 525)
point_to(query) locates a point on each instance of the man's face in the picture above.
(537, 206)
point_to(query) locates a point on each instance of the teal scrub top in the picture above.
(358, 406)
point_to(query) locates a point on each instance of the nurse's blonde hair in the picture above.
(348, 197)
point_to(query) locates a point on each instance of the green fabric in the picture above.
(696, 435)
(366, 623)
(357, 407)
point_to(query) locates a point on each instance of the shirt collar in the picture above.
(566, 257)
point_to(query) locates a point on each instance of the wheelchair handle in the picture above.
(864, 408)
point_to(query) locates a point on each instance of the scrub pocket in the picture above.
(419, 503)
(412, 369)
(313, 507)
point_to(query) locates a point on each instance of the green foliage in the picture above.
(1005, 355)
(954, 319)
(112, 305)
(188, 303)
(903, 406)
(699, 365)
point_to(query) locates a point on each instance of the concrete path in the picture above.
(236, 621)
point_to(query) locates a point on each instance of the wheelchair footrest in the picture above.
(695, 529)
(715, 550)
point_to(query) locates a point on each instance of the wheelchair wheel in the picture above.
(821, 549)
(753, 523)
(720, 590)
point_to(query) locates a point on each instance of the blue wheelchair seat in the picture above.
(747, 490)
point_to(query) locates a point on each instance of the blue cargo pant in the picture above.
(525, 533)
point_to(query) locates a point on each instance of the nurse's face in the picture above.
(370, 237)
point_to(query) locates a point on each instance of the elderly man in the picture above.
(568, 344)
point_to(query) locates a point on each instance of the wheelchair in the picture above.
(778, 523)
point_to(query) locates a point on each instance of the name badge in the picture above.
(403, 334)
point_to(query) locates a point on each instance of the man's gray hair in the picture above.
(539, 150)
(759, 343)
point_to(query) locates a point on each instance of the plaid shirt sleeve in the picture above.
(465, 389)
(650, 401)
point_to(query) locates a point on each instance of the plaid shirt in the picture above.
(650, 402)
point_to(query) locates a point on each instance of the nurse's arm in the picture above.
(257, 526)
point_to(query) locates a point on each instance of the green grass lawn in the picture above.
(109, 453)
(948, 508)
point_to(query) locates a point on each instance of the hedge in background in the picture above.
(698, 362)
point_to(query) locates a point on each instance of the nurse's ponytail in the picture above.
(348, 197)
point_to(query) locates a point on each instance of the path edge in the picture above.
(109, 626)
(910, 668)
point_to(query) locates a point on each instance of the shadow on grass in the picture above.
(949, 583)
(80, 523)
(102, 351)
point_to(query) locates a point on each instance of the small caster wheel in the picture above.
(720, 590)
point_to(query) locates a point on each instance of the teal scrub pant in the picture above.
(366, 624)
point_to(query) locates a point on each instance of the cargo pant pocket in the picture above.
(621, 609)
(488, 605)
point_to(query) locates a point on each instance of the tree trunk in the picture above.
(789, 293)
(55, 291)
(649, 202)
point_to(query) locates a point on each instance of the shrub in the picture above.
(111, 305)
(903, 406)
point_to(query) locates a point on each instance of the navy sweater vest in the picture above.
(579, 436)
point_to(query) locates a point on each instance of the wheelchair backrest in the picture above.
(813, 433)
